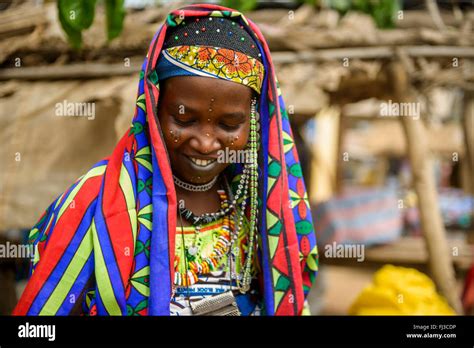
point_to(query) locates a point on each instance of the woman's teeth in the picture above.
(201, 162)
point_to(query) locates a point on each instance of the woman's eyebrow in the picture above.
(236, 115)
(181, 108)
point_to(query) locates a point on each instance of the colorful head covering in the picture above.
(115, 226)
(212, 47)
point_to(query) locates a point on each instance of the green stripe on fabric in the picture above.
(90, 174)
(102, 277)
(70, 275)
(59, 200)
(36, 257)
(127, 189)
(49, 223)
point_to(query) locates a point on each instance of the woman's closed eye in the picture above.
(230, 127)
(182, 121)
(232, 121)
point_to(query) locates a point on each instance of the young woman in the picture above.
(201, 208)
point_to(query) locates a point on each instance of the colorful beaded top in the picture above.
(207, 248)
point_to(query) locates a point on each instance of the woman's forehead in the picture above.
(206, 89)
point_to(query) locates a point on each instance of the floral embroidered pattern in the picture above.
(219, 62)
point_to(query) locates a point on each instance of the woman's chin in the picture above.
(197, 177)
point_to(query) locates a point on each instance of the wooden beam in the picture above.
(98, 70)
(440, 256)
(372, 53)
(70, 71)
(21, 20)
(407, 251)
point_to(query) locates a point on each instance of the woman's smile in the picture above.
(202, 167)
(201, 162)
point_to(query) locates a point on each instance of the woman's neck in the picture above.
(199, 202)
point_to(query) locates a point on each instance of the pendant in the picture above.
(193, 250)
(244, 288)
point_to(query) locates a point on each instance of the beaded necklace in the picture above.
(197, 265)
(207, 218)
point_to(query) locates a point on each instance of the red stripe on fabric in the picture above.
(205, 6)
(273, 139)
(266, 50)
(286, 306)
(162, 154)
(292, 239)
(114, 208)
(276, 150)
(287, 213)
(58, 243)
(274, 198)
(280, 261)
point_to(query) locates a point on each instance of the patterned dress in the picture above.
(217, 281)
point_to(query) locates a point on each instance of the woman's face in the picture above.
(199, 117)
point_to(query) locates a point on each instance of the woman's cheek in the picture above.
(175, 135)
(237, 140)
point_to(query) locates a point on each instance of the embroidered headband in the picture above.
(212, 47)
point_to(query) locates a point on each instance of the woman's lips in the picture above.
(201, 162)
(201, 165)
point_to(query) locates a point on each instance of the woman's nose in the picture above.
(205, 142)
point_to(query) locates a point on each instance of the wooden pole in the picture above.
(468, 130)
(440, 261)
(325, 155)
